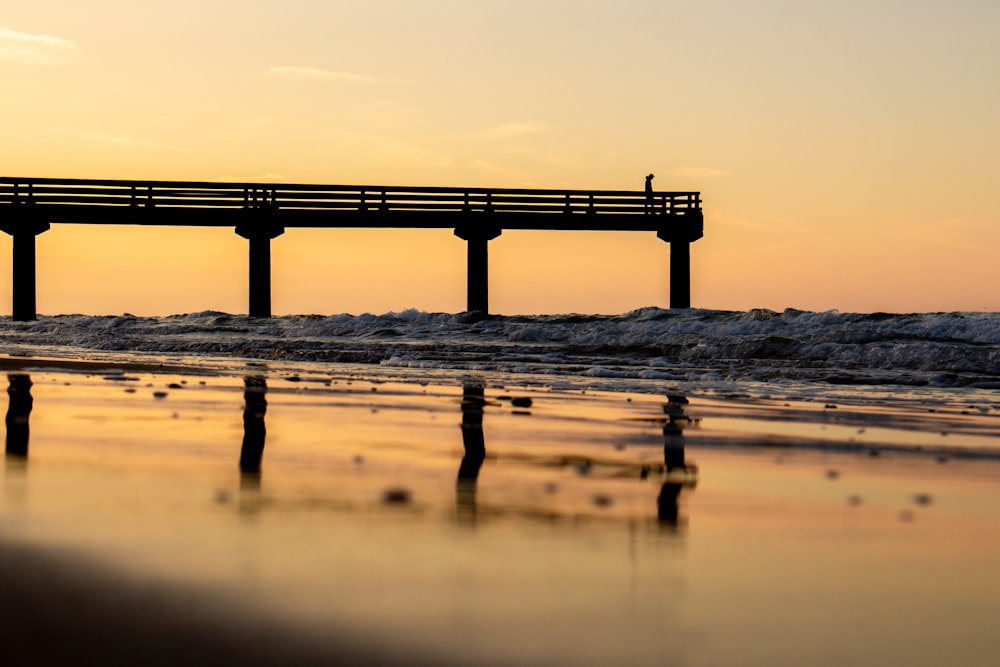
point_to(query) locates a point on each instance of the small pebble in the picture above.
(174, 385)
(922, 499)
(159, 394)
(521, 402)
(396, 496)
(832, 474)
(602, 500)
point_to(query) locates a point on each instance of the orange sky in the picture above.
(847, 151)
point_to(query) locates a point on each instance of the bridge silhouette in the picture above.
(260, 212)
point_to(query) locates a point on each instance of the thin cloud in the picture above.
(316, 74)
(100, 140)
(27, 49)
(698, 172)
(512, 130)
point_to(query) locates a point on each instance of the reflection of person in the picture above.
(649, 193)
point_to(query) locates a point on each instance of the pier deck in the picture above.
(261, 212)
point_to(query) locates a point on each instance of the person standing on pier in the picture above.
(649, 194)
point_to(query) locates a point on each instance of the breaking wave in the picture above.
(960, 349)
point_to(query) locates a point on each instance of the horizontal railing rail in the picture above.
(337, 198)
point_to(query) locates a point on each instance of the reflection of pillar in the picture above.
(667, 508)
(17, 414)
(259, 236)
(478, 291)
(679, 472)
(24, 295)
(254, 432)
(474, 442)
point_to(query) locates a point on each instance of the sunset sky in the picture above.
(847, 151)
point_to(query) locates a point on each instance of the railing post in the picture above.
(477, 290)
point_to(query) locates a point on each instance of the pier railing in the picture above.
(299, 199)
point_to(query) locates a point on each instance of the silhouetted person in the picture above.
(473, 401)
(254, 432)
(17, 414)
(649, 194)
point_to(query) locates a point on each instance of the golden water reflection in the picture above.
(576, 530)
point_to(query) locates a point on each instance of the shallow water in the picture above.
(441, 522)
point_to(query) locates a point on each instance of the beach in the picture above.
(310, 513)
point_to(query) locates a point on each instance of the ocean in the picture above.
(947, 356)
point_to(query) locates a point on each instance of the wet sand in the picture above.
(151, 514)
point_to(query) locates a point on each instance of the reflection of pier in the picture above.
(261, 212)
(18, 412)
(677, 473)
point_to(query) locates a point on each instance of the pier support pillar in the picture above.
(680, 274)
(24, 231)
(684, 230)
(259, 236)
(478, 236)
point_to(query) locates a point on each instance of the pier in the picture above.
(260, 212)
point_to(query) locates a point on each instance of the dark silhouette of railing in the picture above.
(260, 212)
